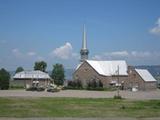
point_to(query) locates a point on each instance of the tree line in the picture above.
(57, 75)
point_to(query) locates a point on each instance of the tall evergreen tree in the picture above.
(4, 79)
(58, 74)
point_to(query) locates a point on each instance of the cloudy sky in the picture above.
(51, 30)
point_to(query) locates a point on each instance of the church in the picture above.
(112, 73)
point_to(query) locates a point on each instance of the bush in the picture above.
(100, 83)
(117, 97)
(95, 85)
(76, 84)
(122, 107)
(71, 84)
(96, 89)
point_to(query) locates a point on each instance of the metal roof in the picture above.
(145, 74)
(31, 75)
(108, 68)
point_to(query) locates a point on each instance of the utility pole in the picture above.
(118, 80)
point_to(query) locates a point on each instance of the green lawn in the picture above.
(77, 107)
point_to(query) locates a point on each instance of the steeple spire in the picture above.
(84, 51)
(84, 43)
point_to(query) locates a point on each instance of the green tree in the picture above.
(19, 69)
(40, 65)
(4, 79)
(58, 74)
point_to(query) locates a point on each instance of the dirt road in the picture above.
(140, 95)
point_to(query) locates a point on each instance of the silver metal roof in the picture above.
(108, 68)
(31, 75)
(146, 75)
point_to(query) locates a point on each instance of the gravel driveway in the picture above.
(140, 95)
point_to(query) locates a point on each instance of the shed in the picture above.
(31, 77)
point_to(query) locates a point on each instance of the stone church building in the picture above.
(112, 73)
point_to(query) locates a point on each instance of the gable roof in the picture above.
(108, 68)
(145, 75)
(37, 74)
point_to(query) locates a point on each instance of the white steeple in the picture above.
(84, 43)
(84, 51)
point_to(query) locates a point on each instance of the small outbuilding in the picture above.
(32, 78)
(141, 79)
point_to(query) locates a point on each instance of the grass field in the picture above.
(77, 107)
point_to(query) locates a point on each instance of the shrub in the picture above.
(71, 84)
(122, 107)
(76, 84)
(96, 89)
(100, 83)
(95, 85)
(117, 97)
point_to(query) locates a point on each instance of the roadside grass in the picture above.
(77, 107)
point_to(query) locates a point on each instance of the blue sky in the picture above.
(51, 30)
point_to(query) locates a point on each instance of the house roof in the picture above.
(109, 68)
(145, 74)
(31, 75)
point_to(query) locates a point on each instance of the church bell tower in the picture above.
(84, 51)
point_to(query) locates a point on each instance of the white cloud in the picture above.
(16, 52)
(125, 55)
(31, 53)
(140, 54)
(64, 52)
(97, 57)
(118, 54)
(156, 30)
